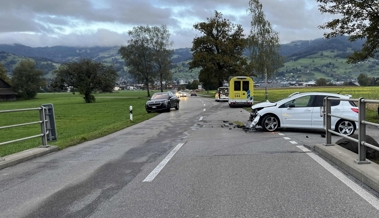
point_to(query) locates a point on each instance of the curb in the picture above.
(368, 174)
(22, 156)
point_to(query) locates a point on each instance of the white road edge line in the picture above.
(201, 118)
(287, 138)
(162, 164)
(204, 109)
(371, 199)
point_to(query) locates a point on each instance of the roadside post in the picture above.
(131, 113)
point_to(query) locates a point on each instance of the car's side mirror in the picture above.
(291, 105)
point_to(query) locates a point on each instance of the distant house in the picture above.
(6, 92)
(310, 83)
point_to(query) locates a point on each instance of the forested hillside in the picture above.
(304, 59)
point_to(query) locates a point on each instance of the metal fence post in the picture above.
(328, 121)
(362, 132)
(43, 126)
(51, 129)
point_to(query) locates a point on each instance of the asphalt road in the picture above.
(194, 162)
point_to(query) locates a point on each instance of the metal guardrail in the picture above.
(46, 121)
(362, 144)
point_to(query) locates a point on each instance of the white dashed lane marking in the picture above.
(162, 164)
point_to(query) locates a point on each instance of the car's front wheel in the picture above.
(177, 106)
(345, 127)
(168, 109)
(270, 123)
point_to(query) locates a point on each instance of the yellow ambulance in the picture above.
(241, 91)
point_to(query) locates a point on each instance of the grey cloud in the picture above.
(101, 37)
(183, 38)
(48, 19)
(10, 23)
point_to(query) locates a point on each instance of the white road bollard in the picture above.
(131, 113)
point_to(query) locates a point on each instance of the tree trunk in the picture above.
(147, 88)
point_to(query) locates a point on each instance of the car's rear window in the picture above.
(352, 103)
(319, 102)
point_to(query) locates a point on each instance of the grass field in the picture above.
(78, 122)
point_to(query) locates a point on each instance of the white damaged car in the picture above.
(304, 111)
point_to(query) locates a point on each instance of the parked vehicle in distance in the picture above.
(241, 91)
(162, 101)
(305, 111)
(222, 94)
(193, 93)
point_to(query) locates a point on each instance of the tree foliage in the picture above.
(147, 55)
(3, 74)
(219, 50)
(26, 79)
(321, 82)
(264, 45)
(86, 76)
(358, 19)
(365, 80)
(193, 85)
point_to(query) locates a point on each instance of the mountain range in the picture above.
(304, 59)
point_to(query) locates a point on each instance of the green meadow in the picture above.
(78, 122)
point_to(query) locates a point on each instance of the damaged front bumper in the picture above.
(253, 121)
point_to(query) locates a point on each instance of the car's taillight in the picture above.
(355, 110)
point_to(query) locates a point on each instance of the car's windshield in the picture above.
(160, 96)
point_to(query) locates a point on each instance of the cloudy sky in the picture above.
(40, 23)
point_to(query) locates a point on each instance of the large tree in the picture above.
(3, 74)
(163, 54)
(26, 79)
(218, 51)
(358, 19)
(148, 55)
(87, 76)
(264, 45)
